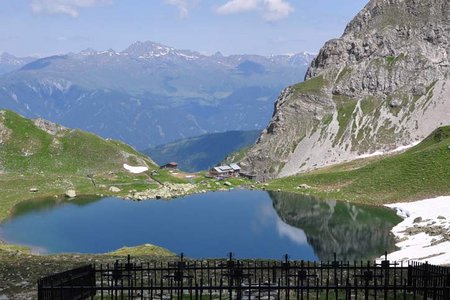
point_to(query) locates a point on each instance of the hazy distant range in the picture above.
(149, 94)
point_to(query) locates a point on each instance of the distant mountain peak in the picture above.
(6, 58)
(148, 49)
(88, 51)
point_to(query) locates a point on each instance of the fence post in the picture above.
(447, 287)
(409, 277)
(40, 291)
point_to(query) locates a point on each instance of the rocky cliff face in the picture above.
(383, 84)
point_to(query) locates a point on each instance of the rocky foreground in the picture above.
(20, 269)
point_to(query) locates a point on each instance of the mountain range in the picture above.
(150, 94)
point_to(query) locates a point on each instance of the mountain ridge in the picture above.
(9, 62)
(383, 84)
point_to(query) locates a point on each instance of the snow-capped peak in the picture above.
(149, 50)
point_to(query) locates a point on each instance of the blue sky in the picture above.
(45, 27)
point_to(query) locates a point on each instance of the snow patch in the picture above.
(399, 149)
(428, 213)
(135, 170)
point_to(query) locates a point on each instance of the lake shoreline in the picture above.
(411, 233)
(269, 210)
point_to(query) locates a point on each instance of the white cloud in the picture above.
(68, 7)
(238, 6)
(277, 9)
(184, 6)
(271, 10)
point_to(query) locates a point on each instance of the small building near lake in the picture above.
(225, 171)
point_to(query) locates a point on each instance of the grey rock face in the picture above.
(383, 84)
(5, 132)
(49, 127)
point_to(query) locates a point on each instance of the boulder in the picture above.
(227, 183)
(34, 190)
(417, 220)
(394, 103)
(70, 194)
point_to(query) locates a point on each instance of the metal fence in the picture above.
(250, 279)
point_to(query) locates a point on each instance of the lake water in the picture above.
(251, 224)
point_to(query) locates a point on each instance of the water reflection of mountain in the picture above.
(352, 232)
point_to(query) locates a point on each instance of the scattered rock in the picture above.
(417, 220)
(114, 189)
(70, 194)
(166, 191)
(34, 190)
(49, 127)
(441, 218)
(304, 186)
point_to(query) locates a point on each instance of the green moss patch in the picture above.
(314, 85)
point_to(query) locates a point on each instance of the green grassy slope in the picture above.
(202, 152)
(57, 159)
(421, 172)
(29, 149)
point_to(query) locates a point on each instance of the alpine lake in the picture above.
(251, 224)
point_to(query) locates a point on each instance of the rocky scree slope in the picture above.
(383, 84)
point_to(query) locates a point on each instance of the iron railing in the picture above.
(250, 279)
